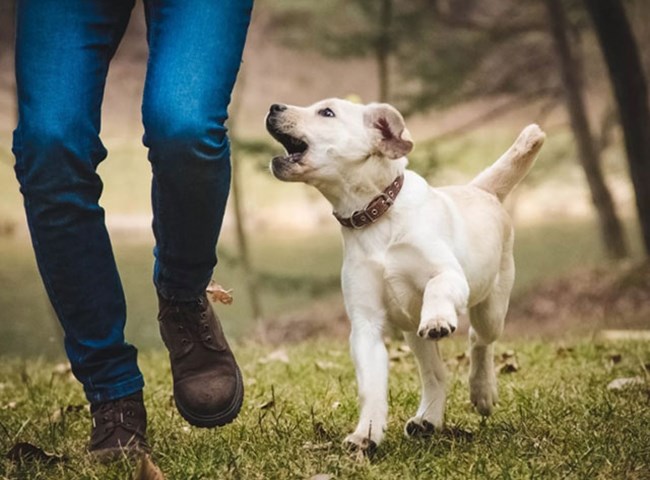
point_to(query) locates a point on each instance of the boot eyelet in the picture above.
(204, 315)
(208, 338)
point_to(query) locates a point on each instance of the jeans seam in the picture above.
(118, 390)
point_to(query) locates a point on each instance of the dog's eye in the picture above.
(326, 112)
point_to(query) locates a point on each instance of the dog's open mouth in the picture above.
(294, 146)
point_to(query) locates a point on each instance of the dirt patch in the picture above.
(612, 297)
(322, 319)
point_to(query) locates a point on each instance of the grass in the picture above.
(555, 419)
(291, 264)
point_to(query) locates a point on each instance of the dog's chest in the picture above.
(405, 274)
(398, 262)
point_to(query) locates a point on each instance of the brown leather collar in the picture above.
(375, 209)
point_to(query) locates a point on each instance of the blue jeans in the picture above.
(63, 51)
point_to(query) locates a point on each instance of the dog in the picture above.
(415, 256)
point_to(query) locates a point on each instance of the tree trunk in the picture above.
(383, 49)
(628, 82)
(588, 152)
(237, 201)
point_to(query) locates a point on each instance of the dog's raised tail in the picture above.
(502, 176)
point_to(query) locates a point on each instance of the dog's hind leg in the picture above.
(431, 412)
(487, 320)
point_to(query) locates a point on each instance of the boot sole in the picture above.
(219, 419)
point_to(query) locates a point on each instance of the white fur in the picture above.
(436, 253)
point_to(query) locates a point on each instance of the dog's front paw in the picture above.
(437, 328)
(484, 395)
(360, 443)
(419, 427)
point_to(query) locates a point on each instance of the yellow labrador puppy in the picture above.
(415, 256)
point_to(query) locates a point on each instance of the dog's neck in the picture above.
(361, 185)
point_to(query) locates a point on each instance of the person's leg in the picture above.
(63, 49)
(195, 53)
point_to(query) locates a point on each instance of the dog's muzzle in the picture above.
(295, 146)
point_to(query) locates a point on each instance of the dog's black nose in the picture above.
(277, 108)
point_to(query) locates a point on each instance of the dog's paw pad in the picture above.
(365, 445)
(419, 428)
(437, 330)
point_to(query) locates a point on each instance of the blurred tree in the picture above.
(450, 52)
(630, 89)
(382, 48)
(588, 151)
(349, 29)
(245, 260)
(460, 51)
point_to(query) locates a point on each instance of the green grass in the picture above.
(292, 266)
(555, 419)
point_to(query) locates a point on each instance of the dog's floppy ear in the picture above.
(393, 140)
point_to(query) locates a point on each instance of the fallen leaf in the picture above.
(62, 368)
(317, 446)
(395, 357)
(621, 383)
(324, 365)
(147, 470)
(266, 405)
(320, 431)
(397, 354)
(9, 406)
(279, 355)
(58, 414)
(510, 366)
(458, 360)
(614, 335)
(508, 354)
(615, 358)
(26, 452)
(564, 351)
(218, 293)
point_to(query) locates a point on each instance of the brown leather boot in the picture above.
(119, 428)
(208, 387)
